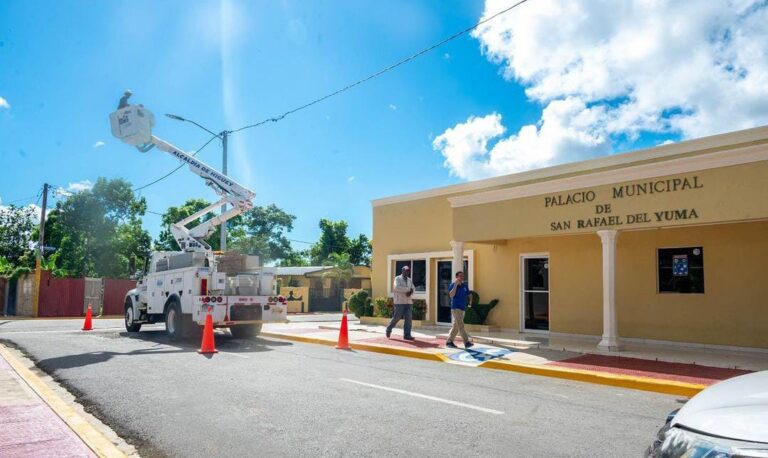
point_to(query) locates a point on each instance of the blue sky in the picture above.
(480, 106)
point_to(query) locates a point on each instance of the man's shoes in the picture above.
(389, 332)
(409, 338)
(450, 344)
(468, 345)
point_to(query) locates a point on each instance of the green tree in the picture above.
(295, 258)
(343, 267)
(334, 239)
(98, 232)
(16, 235)
(165, 240)
(260, 231)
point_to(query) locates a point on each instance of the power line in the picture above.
(382, 71)
(174, 170)
(36, 196)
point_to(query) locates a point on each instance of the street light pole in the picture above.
(223, 244)
(223, 136)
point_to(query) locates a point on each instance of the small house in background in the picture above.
(320, 288)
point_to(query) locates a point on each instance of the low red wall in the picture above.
(114, 295)
(61, 296)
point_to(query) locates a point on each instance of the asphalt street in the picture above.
(269, 397)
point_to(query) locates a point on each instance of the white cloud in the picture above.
(61, 192)
(604, 70)
(393, 107)
(79, 186)
(99, 144)
(4, 104)
(351, 179)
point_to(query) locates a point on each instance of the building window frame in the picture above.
(410, 263)
(430, 257)
(702, 268)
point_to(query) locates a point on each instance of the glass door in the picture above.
(535, 294)
(444, 279)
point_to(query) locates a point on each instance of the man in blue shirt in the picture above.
(459, 292)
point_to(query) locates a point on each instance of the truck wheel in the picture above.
(130, 324)
(173, 321)
(245, 331)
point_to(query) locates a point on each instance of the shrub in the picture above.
(384, 307)
(477, 313)
(419, 309)
(360, 304)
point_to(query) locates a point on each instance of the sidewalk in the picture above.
(673, 370)
(29, 425)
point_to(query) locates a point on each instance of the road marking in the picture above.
(424, 396)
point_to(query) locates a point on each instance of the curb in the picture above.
(594, 377)
(361, 346)
(600, 378)
(92, 438)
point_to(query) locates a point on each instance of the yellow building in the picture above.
(665, 244)
(319, 288)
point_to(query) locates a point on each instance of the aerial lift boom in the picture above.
(133, 125)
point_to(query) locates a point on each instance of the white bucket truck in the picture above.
(179, 287)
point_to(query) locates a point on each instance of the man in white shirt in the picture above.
(402, 290)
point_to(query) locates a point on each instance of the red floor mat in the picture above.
(690, 373)
(397, 341)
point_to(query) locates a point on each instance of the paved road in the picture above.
(275, 398)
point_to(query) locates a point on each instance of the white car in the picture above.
(728, 419)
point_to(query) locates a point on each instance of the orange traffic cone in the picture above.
(208, 346)
(343, 343)
(88, 325)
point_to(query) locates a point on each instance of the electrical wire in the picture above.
(382, 71)
(176, 169)
(23, 198)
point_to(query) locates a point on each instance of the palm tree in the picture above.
(343, 269)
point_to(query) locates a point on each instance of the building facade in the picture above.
(666, 244)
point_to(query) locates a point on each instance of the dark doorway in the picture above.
(536, 293)
(444, 279)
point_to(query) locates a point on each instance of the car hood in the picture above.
(735, 409)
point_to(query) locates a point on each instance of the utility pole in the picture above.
(223, 244)
(40, 249)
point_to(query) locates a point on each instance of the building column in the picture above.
(457, 264)
(610, 340)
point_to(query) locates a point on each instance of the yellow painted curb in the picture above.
(93, 438)
(600, 378)
(360, 346)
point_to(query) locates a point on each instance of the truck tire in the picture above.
(245, 331)
(174, 320)
(130, 319)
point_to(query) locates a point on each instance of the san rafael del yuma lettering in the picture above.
(603, 212)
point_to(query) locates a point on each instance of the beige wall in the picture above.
(735, 193)
(732, 311)
(420, 226)
(301, 292)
